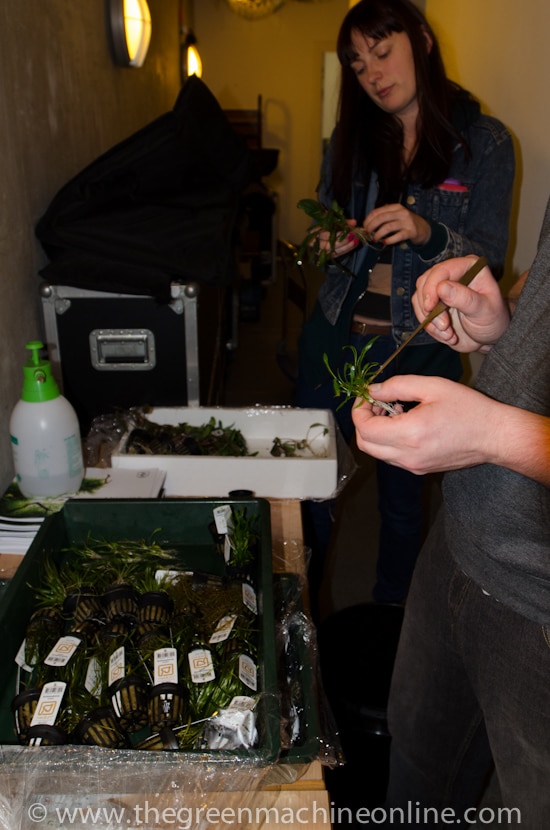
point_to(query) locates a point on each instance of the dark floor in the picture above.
(255, 377)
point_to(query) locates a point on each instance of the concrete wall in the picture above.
(62, 103)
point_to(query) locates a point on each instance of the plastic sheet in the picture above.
(75, 785)
(133, 788)
(308, 729)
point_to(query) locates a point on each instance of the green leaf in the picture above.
(332, 220)
(354, 379)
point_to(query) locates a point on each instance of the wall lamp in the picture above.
(193, 59)
(130, 27)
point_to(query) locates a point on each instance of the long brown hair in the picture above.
(367, 138)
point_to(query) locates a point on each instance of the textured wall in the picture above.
(62, 103)
(281, 57)
(498, 50)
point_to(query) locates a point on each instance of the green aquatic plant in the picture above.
(243, 536)
(332, 220)
(353, 380)
(292, 447)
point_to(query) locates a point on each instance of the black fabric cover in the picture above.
(158, 207)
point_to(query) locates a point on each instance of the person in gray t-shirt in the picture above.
(472, 675)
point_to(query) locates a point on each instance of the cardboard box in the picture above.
(311, 473)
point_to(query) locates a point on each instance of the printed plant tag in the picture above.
(227, 549)
(247, 672)
(249, 597)
(242, 702)
(62, 652)
(48, 703)
(169, 575)
(117, 665)
(223, 629)
(222, 518)
(20, 658)
(92, 681)
(200, 663)
(166, 666)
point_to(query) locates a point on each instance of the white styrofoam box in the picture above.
(306, 475)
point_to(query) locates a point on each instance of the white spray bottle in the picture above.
(45, 434)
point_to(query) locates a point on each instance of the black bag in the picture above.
(159, 207)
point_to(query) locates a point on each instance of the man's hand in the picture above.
(447, 430)
(477, 315)
(453, 426)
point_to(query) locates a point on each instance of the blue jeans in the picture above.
(471, 683)
(401, 495)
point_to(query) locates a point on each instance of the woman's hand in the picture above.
(392, 224)
(344, 244)
(477, 315)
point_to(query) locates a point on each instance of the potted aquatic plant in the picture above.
(242, 538)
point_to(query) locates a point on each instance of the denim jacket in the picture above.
(469, 213)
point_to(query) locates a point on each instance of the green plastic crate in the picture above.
(181, 524)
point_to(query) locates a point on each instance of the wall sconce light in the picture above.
(194, 63)
(130, 27)
(190, 60)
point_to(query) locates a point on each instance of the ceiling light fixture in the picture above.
(130, 27)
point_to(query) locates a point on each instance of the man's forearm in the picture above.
(522, 444)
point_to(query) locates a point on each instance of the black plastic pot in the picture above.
(149, 636)
(163, 740)
(241, 573)
(44, 735)
(46, 620)
(155, 607)
(167, 705)
(86, 630)
(82, 604)
(129, 699)
(100, 728)
(23, 707)
(43, 630)
(120, 600)
(117, 630)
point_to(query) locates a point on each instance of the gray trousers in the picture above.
(471, 686)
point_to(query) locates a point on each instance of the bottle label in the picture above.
(74, 455)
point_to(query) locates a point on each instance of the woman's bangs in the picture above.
(373, 30)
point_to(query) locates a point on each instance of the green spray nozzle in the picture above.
(38, 382)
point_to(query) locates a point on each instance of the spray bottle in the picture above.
(45, 434)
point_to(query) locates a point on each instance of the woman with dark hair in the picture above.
(415, 163)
